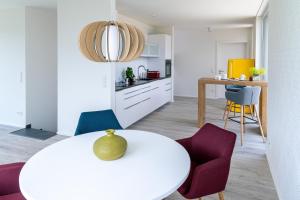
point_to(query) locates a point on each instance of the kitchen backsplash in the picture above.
(134, 64)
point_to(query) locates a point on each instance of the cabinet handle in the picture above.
(140, 93)
(167, 90)
(137, 103)
(137, 90)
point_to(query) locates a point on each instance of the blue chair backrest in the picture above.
(250, 95)
(97, 121)
(234, 88)
(245, 96)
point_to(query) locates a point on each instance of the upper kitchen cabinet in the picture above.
(164, 44)
(151, 50)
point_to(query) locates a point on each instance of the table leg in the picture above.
(263, 108)
(201, 104)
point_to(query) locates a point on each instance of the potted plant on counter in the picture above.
(130, 75)
(256, 73)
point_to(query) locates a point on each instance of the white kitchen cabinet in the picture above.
(134, 103)
(166, 90)
(164, 43)
(165, 53)
(151, 50)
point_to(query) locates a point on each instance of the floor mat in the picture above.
(34, 133)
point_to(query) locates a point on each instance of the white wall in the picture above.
(145, 28)
(41, 68)
(12, 67)
(284, 94)
(83, 85)
(195, 56)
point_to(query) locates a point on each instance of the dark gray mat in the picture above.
(34, 133)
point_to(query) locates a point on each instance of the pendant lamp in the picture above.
(111, 41)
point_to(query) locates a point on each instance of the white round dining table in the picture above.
(152, 168)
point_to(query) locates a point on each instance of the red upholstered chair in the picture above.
(210, 150)
(9, 182)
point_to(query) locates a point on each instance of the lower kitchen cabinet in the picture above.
(134, 103)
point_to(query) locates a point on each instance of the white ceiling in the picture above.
(37, 3)
(190, 12)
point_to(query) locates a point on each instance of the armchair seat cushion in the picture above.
(14, 196)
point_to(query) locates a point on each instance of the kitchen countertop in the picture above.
(121, 85)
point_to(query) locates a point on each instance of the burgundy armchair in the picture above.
(210, 150)
(9, 182)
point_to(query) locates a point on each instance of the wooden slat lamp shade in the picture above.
(91, 42)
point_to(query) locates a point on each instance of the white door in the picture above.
(227, 51)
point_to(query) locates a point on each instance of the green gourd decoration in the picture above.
(110, 146)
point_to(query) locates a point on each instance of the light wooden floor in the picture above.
(249, 179)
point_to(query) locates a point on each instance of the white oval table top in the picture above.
(153, 167)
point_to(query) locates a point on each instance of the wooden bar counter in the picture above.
(263, 97)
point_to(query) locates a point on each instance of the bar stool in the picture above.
(247, 96)
(233, 88)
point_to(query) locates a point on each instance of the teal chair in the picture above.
(97, 121)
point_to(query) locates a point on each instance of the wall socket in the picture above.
(20, 113)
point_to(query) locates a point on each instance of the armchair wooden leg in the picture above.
(227, 114)
(221, 195)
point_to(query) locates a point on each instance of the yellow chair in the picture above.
(237, 67)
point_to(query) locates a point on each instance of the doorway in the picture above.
(225, 51)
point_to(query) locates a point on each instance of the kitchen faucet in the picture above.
(139, 76)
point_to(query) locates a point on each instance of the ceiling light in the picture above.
(111, 41)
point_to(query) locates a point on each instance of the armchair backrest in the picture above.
(212, 142)
(97, 121)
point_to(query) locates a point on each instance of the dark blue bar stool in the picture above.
(246, 96)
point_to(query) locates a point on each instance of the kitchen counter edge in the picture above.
(120, 88)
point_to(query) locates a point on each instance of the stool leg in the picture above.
(234, 105)
(251, 111)
(242, 124)
(244, 114)
(260, 127)
(225, 110)
(227, 114)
